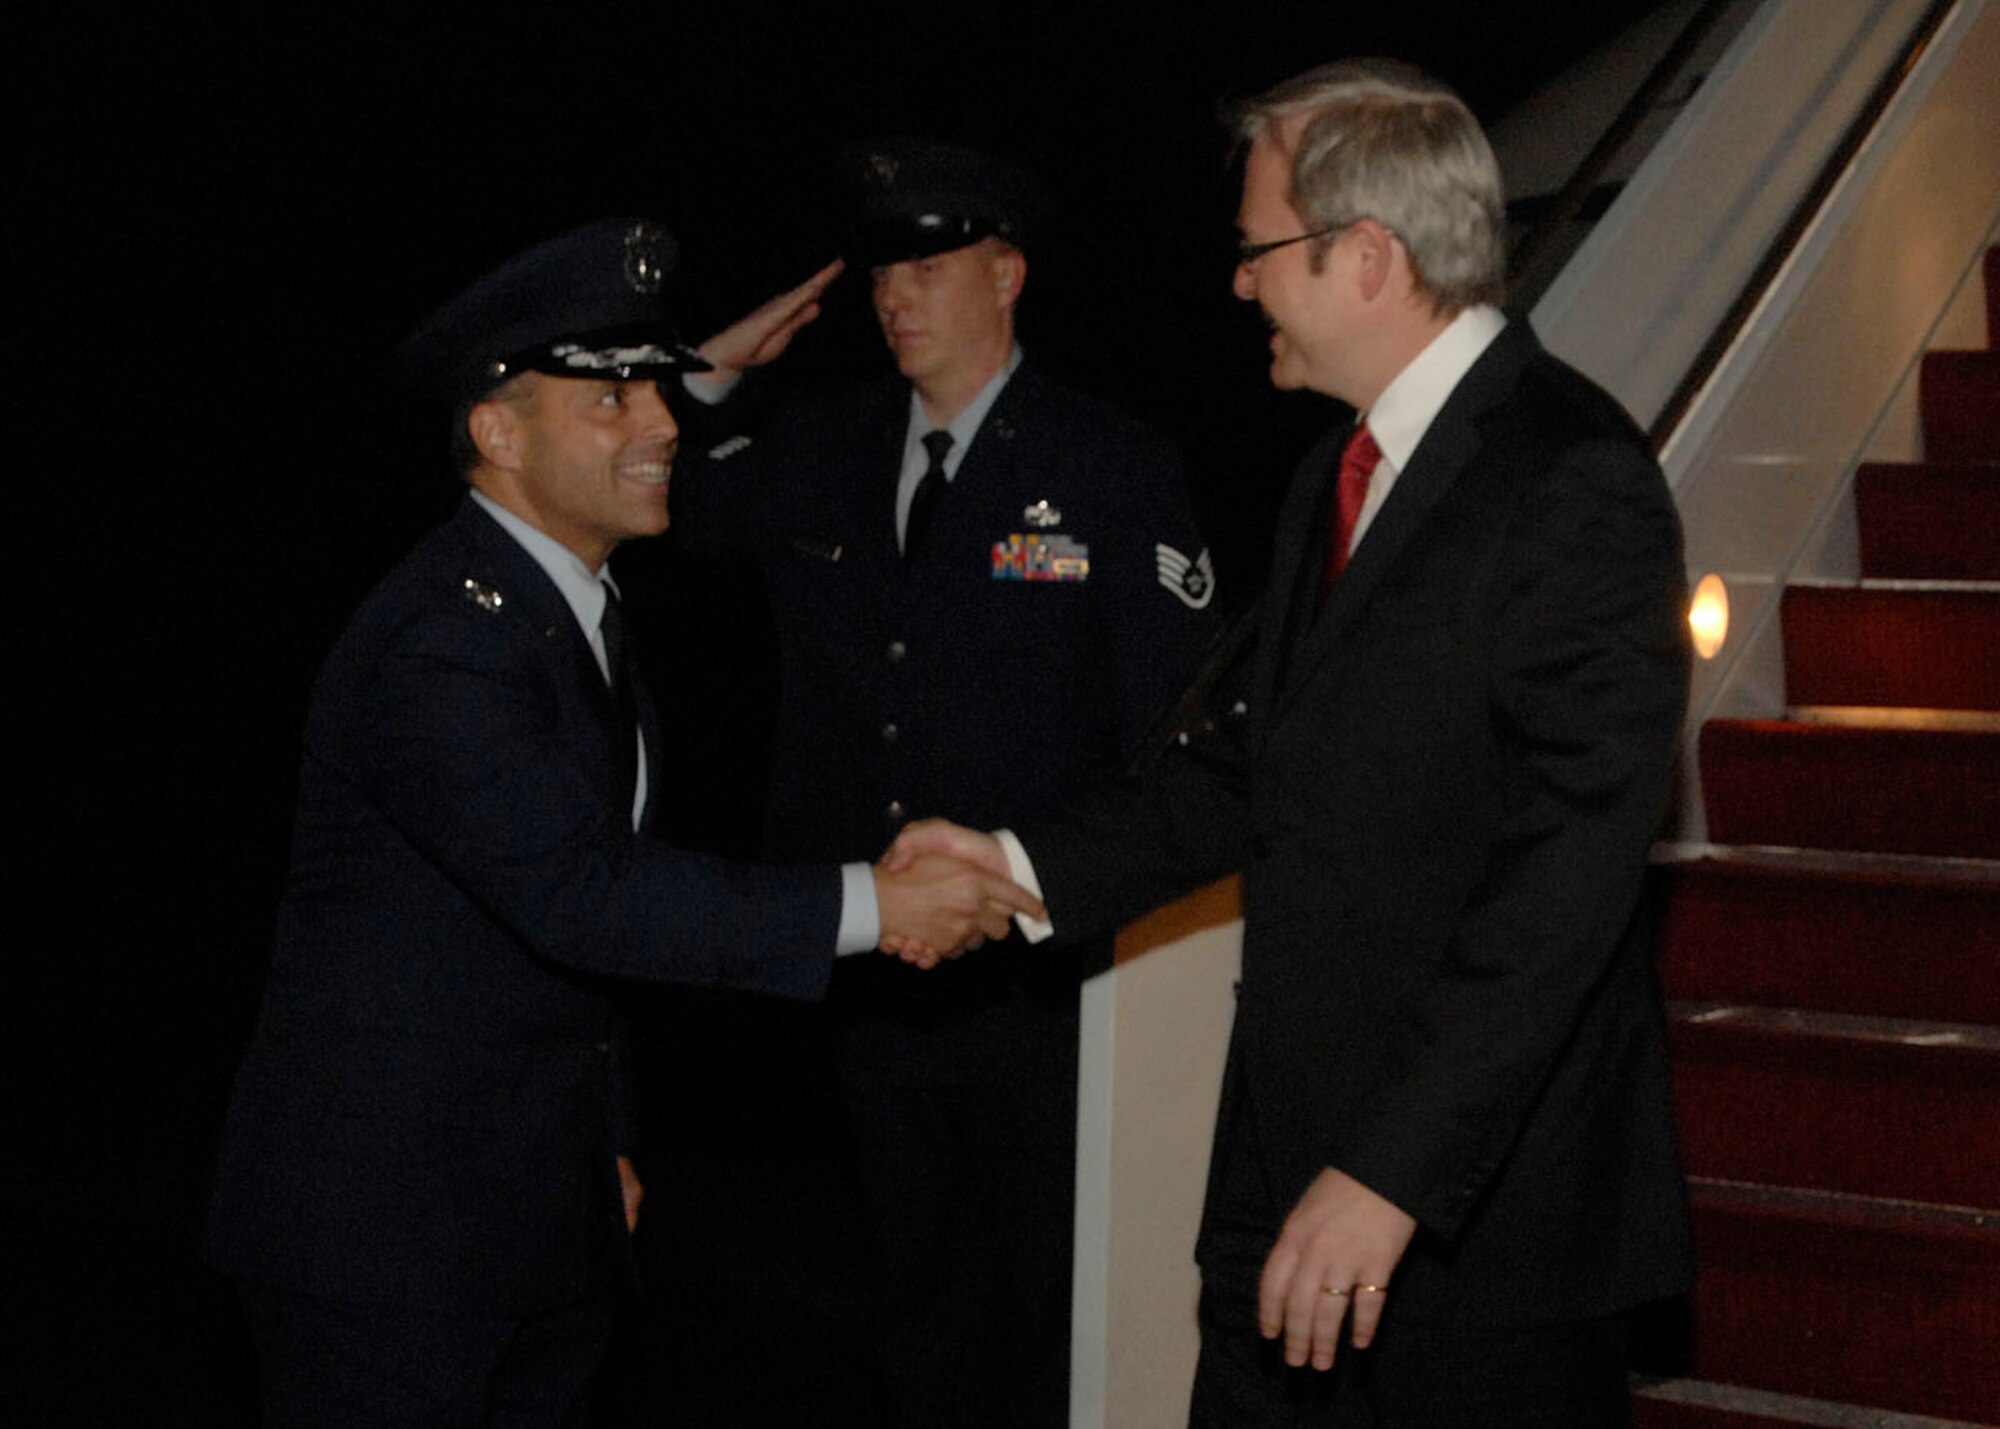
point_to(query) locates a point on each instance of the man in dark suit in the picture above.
(1444, 1120)
(422, 1184)
(986, 587)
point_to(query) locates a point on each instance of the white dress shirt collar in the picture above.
(1414, 397)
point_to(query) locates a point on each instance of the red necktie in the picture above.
(1357, 465)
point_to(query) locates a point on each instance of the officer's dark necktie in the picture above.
(618, 673)
(930, 490)
(1357, 466)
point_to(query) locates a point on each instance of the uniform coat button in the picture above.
(896, 651)
(894, 813)
(889, 733)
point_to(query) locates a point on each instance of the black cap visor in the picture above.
(880, 238)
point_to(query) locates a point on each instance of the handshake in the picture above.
(944, 890)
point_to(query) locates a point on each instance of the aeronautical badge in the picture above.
(1193, 581)
(647, 257)
(1043, 515)
(1040, 558)
(723, 451)
(483, 596)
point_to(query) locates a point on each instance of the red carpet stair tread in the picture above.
(1933, 646)
(1798, 784)
(1693, 1404)
(1929, 520)
(1876, 1106)
(1992, 275)
(1849, 1299)
(1959, 399)
(1857, 934)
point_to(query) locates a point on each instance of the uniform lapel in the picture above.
(649, 734)
(884, 428)
(985, 471)
(501, 566)
(992, 451)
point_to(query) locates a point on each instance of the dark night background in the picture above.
(230, 218)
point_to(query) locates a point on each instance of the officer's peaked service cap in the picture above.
(586, 304)
(921, 197)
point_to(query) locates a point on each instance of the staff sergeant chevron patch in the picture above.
(1192, 580)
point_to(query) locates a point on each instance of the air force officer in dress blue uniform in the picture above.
(986, 587)
(421, 1184)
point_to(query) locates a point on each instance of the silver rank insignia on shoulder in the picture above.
(1192, 581)
(1043, 515)
(724, 450)
(483, 596)
(1040, 558)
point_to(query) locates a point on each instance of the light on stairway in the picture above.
(1708, 616)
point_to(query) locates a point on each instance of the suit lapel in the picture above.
(1301, 523)
(1451, 442)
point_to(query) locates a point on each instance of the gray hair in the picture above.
(1385, 141)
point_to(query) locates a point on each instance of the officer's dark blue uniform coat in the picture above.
(429, 1108)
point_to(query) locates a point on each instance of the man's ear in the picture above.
(495, 428)
(1378, 256)
(1010, 274)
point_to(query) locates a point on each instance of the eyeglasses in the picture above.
(1248, 253)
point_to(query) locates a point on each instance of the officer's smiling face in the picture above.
(950, 314)
(586, 461)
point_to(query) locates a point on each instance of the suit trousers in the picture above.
(333, 1364)
(1416, 1375)
(1419, 1376)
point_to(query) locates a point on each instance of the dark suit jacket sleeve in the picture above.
(1133, 843)
(1587, 694)
(462, 743)
(1150, 629)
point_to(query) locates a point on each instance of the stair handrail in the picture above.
(1794, 228)
(1546, 242)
